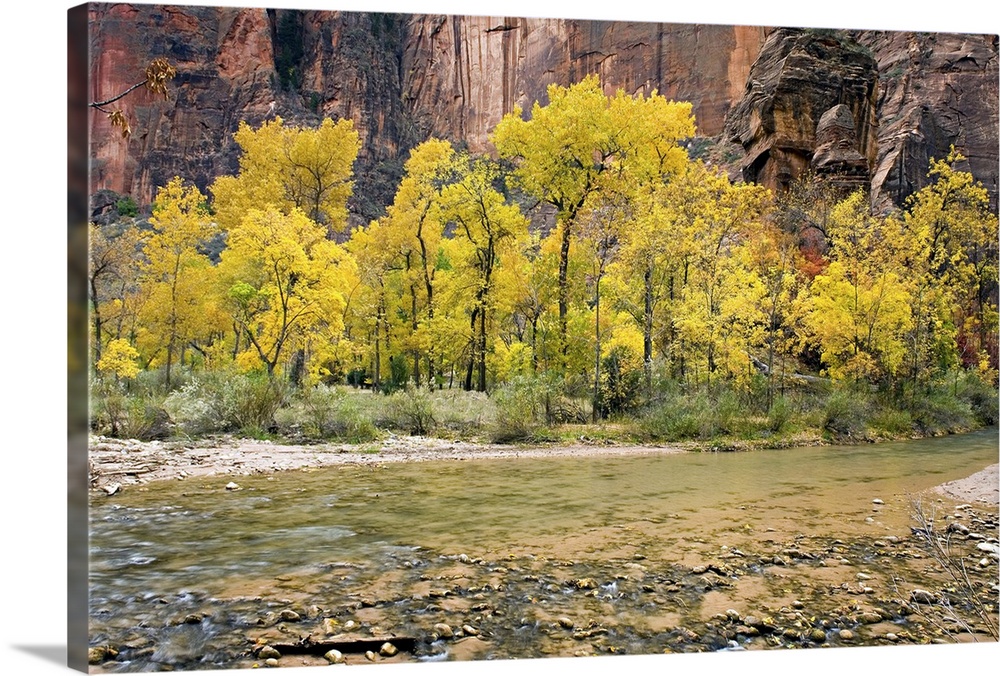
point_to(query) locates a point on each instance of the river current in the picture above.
(325, 538)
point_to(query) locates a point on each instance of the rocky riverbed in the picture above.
(618, 589)
(756, 591)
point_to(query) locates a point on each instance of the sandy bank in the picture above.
(983, 486)
(123, 462)
(117, 463)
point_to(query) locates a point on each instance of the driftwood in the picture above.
(308, 646)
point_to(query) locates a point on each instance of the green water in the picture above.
(194, 537)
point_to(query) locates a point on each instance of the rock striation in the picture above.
(405, 77)
(935, 90)
(809, 103)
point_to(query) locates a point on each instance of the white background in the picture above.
(33, 329)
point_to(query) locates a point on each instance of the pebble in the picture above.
(846, 635)
(267, 652)
(817, 636)
(470, 630)
(271, 662)
(388, 650)
(922, 596)
(369, 655)
(988, 547)
(334, 657)
(565, 623)
(443, 630)
(289, 616)
(233, 486)
(877, 501)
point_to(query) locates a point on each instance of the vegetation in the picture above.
(663, 303)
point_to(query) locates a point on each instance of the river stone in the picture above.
(846, 635)
(586, 583)
(817, 636)
(268, 652)
(469, 630)
(877, 501)
(290, 616)
(101, 654)
(369, 655)
(334, 657)
(922, 596)
(443, 630)
(233, 486)
(733, 615)
(791, 634)
(565, 623)
(988, 547)
(271, 662)
(388, 650)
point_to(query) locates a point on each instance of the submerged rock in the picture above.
(268, 652)
(100, 654)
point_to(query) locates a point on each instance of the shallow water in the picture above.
(177, 545)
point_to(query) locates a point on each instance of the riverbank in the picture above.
(983, 486)
(115, 464)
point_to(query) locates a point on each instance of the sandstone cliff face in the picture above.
(462, 74)
(402, 78)
(911, 95)
(223, 59)
(799, 76)
(935, 90)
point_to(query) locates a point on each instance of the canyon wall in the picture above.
(403, 78)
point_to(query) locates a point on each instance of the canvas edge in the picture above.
(77, 399)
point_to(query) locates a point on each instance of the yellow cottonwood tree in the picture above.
(416, 224)
(284, 285)
(953, 264)
(290, 168)
(860, 306)
(488, 229)
(175, 271)
(565, 148)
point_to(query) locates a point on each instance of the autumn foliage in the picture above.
(590, 260)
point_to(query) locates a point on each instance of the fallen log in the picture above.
(308, 646)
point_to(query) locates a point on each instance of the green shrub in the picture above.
(980, 397)
(228, 402)
(411, 410)
(461, 411)
(845, 414)
(520, 405)
(127, 207)
(940, 412)
(127, 413)
(892, 422)
(779, 415)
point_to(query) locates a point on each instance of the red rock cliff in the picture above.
(402, 78)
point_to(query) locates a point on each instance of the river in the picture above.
(534, 557)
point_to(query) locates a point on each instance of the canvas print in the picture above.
(419, 338)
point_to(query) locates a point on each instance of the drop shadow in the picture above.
(50, 653)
